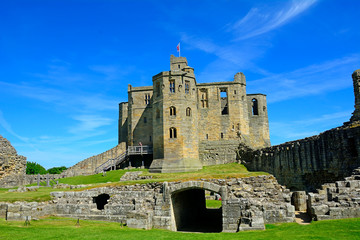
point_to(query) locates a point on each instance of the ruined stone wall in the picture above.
(12, 165)
(308, 163)
(87, 166)
(336, 200)
(258, 121)
(218, 152)
(247, 204)
(123, 122)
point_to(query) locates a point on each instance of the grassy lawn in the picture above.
(112, 179)
(63, 228)
(213, 204)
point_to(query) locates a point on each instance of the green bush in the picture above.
(56, 170)
(34, 168)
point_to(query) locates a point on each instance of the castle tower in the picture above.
(356, 83)
(175, 123)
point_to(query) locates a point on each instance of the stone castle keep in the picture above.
(190, 124)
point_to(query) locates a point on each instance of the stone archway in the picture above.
(189, 207)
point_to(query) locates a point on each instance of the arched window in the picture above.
(188, 112)
(255, 110)
(172, 132)
(172, 111)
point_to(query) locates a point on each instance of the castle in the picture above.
(190, 124)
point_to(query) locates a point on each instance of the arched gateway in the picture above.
(189, 207)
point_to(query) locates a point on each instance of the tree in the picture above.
(57, 170)
(34, 168)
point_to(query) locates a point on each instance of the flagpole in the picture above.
(179, 49)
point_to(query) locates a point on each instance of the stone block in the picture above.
(140, 220)
(320, 209)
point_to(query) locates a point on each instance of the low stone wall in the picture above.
(28, 210)
(308, 163)
(247, 204)
(336, 200)
(87, 166)
(12, 165)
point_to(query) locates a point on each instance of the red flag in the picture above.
(178, 47)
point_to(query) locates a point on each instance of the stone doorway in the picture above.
(191, 214)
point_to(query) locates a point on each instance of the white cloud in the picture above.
(311, 80)
(292, 130)
(77, 100)
(89, 123)
(259, 21)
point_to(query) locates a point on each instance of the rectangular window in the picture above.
(187, 86)
(172, 86)
(145, 120)
(224, 101)
(147, 98)
(204, 98)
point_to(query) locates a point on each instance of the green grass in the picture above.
(217, 171)
(213, 204)
(63, 228)
(112, 178)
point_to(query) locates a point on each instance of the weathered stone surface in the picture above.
(340, 200)
(308, 163)
(12, 165)
(88, 166)
(192, 124)
(154, 205)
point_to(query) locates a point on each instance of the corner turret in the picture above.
(240, 77)
(177, 63)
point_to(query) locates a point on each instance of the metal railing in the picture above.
(138, 150)
(132, 150)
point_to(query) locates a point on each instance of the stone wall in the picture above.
(308, 163)
(87, 166)
(247, 204)
(12, 165)
(336, 200)
(218, 152)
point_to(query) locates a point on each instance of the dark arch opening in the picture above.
(255, 110)
(101, 201)
(191, 214)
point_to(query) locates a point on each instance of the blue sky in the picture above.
(65, 65)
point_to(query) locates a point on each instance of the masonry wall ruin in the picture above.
(247, 204)
(12, 165)
(88, 166)
(336, 200)
(308, 163)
